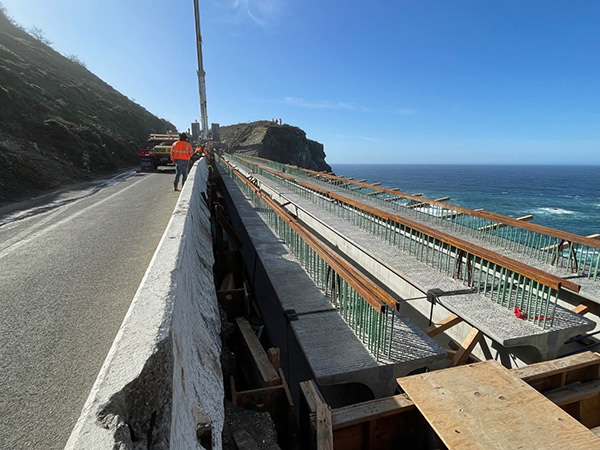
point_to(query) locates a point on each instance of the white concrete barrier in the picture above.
(161, 382)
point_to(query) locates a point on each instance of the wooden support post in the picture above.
(262, 369)
(309, 403)
(224, 222)
(311, 395)
(443, 325)
(324, 431)
(274, 357)
(462, 355)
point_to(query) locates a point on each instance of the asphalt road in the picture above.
(69, 269)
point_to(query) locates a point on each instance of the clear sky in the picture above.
(446, 81)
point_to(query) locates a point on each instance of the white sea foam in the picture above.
(551, 210)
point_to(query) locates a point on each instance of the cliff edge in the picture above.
(282, 143)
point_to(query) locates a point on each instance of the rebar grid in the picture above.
(554, 250)
(508, 288)
(374, 327)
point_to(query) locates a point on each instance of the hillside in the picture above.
(282, 143)
(59, 123)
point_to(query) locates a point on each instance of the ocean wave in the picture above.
(552, 210)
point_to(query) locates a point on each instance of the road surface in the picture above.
(69, 269)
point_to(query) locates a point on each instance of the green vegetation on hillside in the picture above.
(59, 123)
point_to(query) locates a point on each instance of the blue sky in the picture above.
(375, 81)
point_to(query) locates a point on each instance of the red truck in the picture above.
(158, 151)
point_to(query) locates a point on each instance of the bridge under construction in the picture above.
(361, 287)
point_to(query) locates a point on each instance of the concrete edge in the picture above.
(161, 379)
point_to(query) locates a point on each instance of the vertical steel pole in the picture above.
(201, 73)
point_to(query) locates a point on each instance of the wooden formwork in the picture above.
(571, 383)
(266, 386)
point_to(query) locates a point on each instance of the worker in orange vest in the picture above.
(181, 152)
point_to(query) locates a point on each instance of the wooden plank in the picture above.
(263, 369)
(495, 226)
(558, 372)
(257, 399)
(572, 393)
(462, 355)
(316, 405)
(424, 204)
(348, 422)
(372, 410)
(324, 431)
(584, 307)
(443, 325)
(486, 406)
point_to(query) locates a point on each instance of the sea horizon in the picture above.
(565, 197)
(461, 164)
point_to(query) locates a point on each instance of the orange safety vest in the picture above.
(181, 150)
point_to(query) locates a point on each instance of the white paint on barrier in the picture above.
(162, 377)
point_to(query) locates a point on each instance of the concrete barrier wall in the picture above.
(161, 382)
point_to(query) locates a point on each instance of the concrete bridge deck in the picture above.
(412, 278)
(385, 199)
(314, 340)
(590, 288)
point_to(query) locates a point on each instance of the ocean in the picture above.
(562, 197)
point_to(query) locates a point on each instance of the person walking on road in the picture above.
(181, 152)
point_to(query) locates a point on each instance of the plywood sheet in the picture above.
(485, 406)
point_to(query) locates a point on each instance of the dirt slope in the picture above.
(59, 123)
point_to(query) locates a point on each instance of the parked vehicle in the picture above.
(158, 151)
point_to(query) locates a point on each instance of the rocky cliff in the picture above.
(59, 123)
(282, 143)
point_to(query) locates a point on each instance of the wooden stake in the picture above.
(462, 355)
(443, 325)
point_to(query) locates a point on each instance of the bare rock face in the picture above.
(282, 143)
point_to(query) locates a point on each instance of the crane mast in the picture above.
(201, 74)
